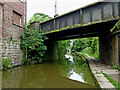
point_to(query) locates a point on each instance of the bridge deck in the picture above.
(95, 18)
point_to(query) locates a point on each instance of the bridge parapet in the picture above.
(94, 13)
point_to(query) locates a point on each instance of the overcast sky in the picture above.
(47, 6)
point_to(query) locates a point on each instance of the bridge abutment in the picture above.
(52, 48)
(35, 25)
(109, 49)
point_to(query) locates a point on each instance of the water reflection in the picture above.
(77, 70)
(64, 74)
(69, 57)
(76, 76)
(72, 74)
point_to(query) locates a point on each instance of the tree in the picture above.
(40, 17)
(62, 48)
(87, 45)
(34, 40)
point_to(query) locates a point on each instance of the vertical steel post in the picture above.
(102, 13)
(81, 16)
(119, 9)
(113, 10)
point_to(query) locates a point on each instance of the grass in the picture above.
(82, 54)
(98, 73)
(95, 55)
(115, 83)
(115, 67)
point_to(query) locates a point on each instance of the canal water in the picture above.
(70, 72)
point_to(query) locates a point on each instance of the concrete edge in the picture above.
(102, 82)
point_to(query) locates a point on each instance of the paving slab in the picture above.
(115, 77)
(110, 71)
(104, 84)
(96, 68)
(102, 79)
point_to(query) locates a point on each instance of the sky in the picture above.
(47, 6)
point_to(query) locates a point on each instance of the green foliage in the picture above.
(40, 17)
(87, 45)
(87, 50)
(116, 27)
(116, 67)
(80, 60)
(34, 41)
(95, 56)
(62, 47)
(115, 83)
(5, 63)
(82, 53)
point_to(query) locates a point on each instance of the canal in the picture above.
(69, 72)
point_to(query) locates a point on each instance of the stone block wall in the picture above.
(11, 50)
(10, 32)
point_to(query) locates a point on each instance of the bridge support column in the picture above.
(109, 49)
(52, 48)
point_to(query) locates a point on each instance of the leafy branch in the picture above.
(34, 40)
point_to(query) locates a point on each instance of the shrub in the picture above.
(34, 41)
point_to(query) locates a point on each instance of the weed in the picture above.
(115, 83)
(98, 73)
(5, 63)
(98, 76)
(115, 67)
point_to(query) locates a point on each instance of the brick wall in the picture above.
(0, 20)
(1, 7)
(17, 18)
(11, 28)
(8, 16)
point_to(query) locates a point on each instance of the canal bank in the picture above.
(99, 70)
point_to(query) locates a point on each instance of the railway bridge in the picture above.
(94, 20)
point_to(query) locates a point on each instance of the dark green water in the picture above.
(66, 73)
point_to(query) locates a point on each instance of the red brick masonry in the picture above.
(12, 23)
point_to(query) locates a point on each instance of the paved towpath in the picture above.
(98, 67)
